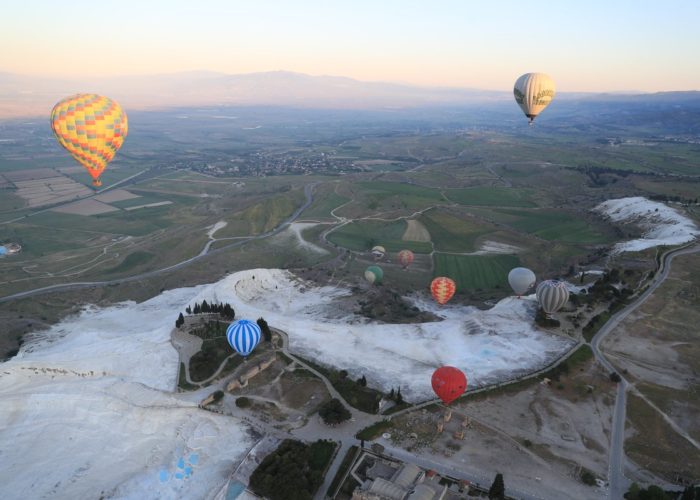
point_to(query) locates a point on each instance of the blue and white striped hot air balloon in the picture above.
(243, 335)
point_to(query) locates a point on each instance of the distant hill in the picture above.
(22, 95)
(25, 96)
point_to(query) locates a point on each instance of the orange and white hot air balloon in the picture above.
(442, 289)
(405, 258)
(91, 128)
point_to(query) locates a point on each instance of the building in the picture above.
(389, 480)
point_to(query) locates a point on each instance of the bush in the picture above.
(243, 402)
(615, 377)
(292, 472)
(587, 477)
(333, 412)
(218, 396)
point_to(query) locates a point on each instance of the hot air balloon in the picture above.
(91, 128)
(521, 279)
(405, 258)
(449, 383)
(442, 289)
(243, 335)
(533, 92)
(552, 295)
(374, 274)
(378, 252)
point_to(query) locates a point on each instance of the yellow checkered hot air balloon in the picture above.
(92, 128)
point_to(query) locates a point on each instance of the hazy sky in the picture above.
(585, 45)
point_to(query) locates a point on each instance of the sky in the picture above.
(612, 45)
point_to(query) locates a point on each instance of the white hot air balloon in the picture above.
(552, 295)
(533, 92)
(521, 279)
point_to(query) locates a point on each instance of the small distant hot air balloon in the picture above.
(521, 279)
(552, 295)
(405, 258)
(243, 335)
(91, 128)
(374, 275)
(533, 92)
(442, 289)
(449, 383)
(378, 252)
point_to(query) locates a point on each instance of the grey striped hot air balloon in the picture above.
(552, 295)
(521, 279)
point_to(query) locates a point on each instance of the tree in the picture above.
(334, 412)
(197, 309)
(615, 377)
(362, 381)
(399, 397)
(188, 310)
(228, 312)
(205, 307)
(391, 394)
(497, 490)
(265, 329)
(180, 321)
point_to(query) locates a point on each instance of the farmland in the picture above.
(472, 272)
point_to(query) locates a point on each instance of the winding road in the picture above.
(618, 483)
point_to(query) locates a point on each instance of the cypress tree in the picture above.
(497, 491)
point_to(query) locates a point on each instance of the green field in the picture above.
(453, 234)
(132, 261)
(552, 225)
(492, 196)
(472, 272)
(381, 194)
(324, 202)
(361, 236)
(127, 223)
(10, 201)
(263, 216)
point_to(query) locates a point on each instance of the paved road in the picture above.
(308, 191)
(618, 483)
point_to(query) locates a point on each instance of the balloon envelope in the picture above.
(521, 279)
(405, 258)
(378, 251)
(442, 289)
(449, 383)
(243, 335)
(533, 92)
(91, 128)
(552, 295)
(374, 274)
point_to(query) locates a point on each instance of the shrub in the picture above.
(334, 412)
(243, 402)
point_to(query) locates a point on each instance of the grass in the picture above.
(552, 225)
(344, 466)
(657, 445)
(375, 430)
(476, 271)
(492, 196)
(205, 363)
(362, 398)
(10, 201)
(450, 233)
(361, 236)
(323, 204)
(126, 223)
(395, 195)
(182, 382)
(263, 216)
(134, 259)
